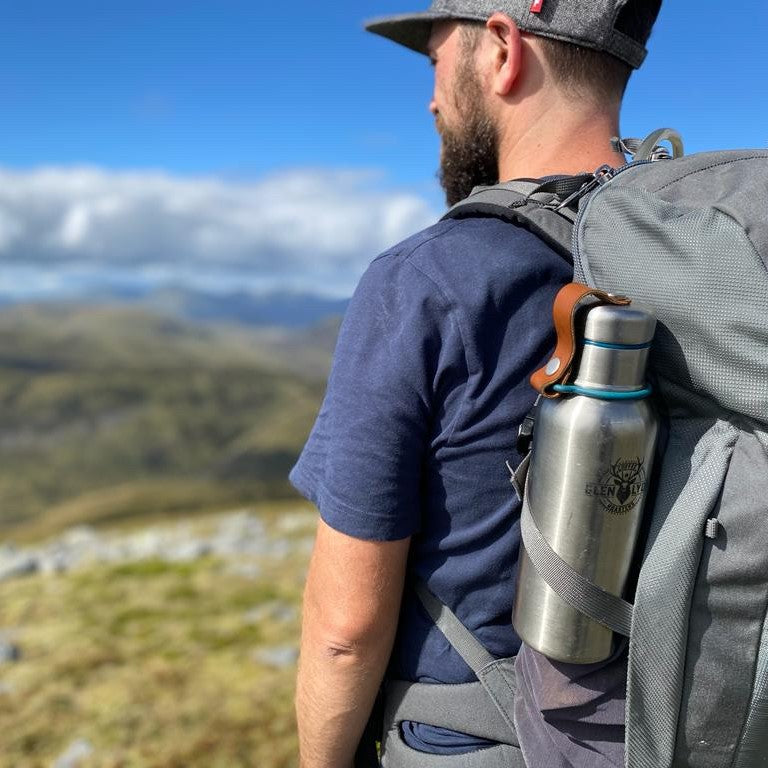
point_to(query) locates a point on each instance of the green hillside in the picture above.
(159, 663)
(108, 413)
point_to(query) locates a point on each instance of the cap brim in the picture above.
(409, 29)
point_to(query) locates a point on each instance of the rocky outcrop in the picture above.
(9, 651)
(239, 536)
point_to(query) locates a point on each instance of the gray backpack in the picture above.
(688, 238)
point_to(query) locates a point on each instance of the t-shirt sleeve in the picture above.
(362, 465)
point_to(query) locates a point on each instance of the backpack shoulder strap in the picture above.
(542, 208)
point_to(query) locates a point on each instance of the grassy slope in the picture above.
(155, 664)
(114, 417)
(110, 413)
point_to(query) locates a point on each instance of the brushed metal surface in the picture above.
(587, 485)
(619, 325)
(612, 369)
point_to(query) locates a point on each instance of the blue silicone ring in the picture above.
(610, 345)
(602, 394)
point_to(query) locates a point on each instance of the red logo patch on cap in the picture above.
(536, 6)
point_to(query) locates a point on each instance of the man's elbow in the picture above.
(352, 597)
(347, 638)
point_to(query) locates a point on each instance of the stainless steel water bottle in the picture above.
(590, 467)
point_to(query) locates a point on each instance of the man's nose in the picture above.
(433, 107)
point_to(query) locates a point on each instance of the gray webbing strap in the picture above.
(519, 475)
(580, 593)
(565, 187)
(463, 641)
(520, 187)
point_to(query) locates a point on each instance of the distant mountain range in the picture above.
(276, 309)
(284, 310)
(111, 411)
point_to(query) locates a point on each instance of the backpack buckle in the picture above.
(599, 177)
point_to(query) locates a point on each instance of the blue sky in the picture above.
(255, 96)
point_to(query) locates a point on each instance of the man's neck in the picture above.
(558, 141)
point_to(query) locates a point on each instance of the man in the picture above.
(428, 387)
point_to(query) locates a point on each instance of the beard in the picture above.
(469, 153)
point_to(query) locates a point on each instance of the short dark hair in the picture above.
(591, 73)
(587, 73)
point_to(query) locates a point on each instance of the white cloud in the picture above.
(296, 230)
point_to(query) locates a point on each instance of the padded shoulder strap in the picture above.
(529, 204)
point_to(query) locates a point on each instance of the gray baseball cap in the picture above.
(589, 23)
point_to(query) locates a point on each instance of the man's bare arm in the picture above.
(351, 608)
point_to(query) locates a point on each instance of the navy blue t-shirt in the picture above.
(428, 386)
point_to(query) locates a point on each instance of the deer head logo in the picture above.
(626, 474)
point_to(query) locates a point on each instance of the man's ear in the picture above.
(507, 48)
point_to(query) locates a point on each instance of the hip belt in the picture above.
(484, 709)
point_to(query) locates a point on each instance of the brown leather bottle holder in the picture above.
(567, 302)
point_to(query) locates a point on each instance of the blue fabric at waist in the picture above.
(440, 741)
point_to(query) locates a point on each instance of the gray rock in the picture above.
(241, 539)
(186, 551)
(57, 561)
(9, 652)
(76, 547)
(280, 548)
(19, 564)
(240, 534)
(83, 536)
(279, 656)
(144, 545)
(271, 611)
(74, 755)
(293, 522)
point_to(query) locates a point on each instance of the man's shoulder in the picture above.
(467, 238)
(480, 231)
(456, 254)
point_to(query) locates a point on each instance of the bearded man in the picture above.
(406, 462)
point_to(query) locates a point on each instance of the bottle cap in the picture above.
(631, 326)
